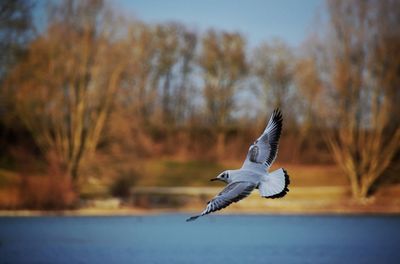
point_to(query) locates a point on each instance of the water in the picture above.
(212, 239)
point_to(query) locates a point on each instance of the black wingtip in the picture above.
(276, 120)
(285, 190)
(277, 114)
(192, 218)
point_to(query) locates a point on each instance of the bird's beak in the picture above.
(214, 179)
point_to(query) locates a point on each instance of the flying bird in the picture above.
(254, 172)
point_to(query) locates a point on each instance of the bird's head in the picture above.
(224, 176)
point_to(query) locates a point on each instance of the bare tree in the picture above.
(66, 86)
(308, 103)
(184, 88)
(140, 94)
(273, 67)
(167, 45)
(223, 63)
(155, 97)
(360, 74)
(175, 55)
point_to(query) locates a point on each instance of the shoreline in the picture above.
(88, 212)
(326, 200)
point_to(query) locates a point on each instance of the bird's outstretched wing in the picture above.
(265, 149)
(232, 193)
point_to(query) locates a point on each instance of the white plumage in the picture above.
(254, 172)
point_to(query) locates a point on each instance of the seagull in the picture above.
(254, 172)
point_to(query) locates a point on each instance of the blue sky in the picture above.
(257, 20)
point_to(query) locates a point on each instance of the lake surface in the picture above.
(211, 239)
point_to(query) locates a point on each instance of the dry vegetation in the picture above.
(94, 103)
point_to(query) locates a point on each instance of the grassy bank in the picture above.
(167, 172)
(168, 185)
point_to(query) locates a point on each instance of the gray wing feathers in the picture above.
(231, 194)
(265, 149)
(272, 135)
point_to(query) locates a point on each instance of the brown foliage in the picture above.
(363, 90)
(51, 190)
(46, 192)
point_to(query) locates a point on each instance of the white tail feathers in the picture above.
(274, 184)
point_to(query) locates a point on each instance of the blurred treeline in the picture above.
(90, 93)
